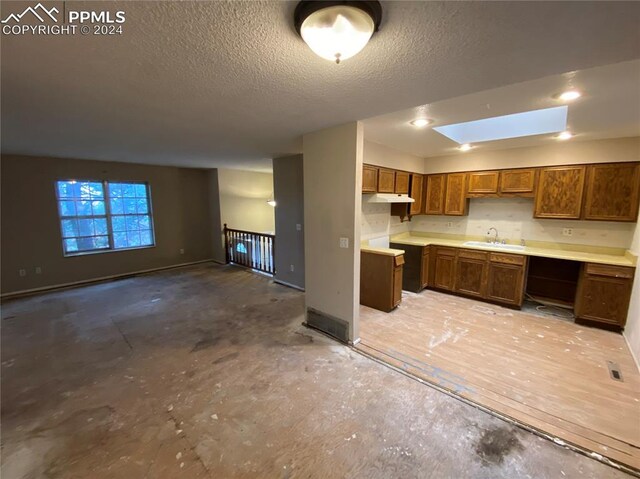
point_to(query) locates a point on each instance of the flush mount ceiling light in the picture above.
(569, 95)
(465, 147)
(337, 30)
(420, 122)
(565, 135)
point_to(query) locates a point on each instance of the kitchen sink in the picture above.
(484, 244)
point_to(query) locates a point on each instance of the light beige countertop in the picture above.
(386, 251)
(587, 254)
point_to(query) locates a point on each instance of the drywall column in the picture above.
(288, 185)
(632, 329)
(215, 220)
(332, 160)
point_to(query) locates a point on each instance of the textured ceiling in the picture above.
(609, 108)
(230, 83)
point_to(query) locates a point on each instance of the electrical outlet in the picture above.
(344, 242)
(291, 268)
(181, 250)
(38, 270)
(567, 231)
(22, 272)
(298, 227)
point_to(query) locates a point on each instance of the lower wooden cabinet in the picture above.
(444, 268)
(471, 272)
(380, 280)
(603, 294)
(506, 278)
(415, 271)
(425, 267)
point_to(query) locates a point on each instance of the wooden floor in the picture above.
(549, 373)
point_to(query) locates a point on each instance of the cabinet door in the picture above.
(434, 195)
(397, 285)
(483, 183)
(424, 270)
(604, 293)
(471, 274)
(415, 192)
(612, 192)
(505, 283)
(386, 180)
(517, 181)
(402, 183)
(369, 179)
(559, 193)
(456, 194)
(444, 275)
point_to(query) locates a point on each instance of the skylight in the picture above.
(528, 123)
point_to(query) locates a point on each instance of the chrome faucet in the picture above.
(495, 240)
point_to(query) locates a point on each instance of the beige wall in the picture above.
(557, 153)
(381, 155)
(288, 182)
(31, 232)
(332, 200)
(243, 200)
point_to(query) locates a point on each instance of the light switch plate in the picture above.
(298, 227)
(344, 242)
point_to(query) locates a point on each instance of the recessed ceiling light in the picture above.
(420, 122)
(569, 95)
(565, 135)
(337, 30)
(465, 147)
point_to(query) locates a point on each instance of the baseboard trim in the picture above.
(633, 355)
(74, 284)
(284, 283)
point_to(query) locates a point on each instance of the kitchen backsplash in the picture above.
(378, 222)
(513, 218)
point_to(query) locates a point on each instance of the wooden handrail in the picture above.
(249, 248)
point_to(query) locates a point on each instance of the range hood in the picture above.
(386, 198)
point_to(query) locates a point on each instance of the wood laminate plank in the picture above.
(546, 372)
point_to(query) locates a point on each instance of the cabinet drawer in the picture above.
(399, 260)
(444, 251)
(594, 269)
(472, 254)
(507, 258)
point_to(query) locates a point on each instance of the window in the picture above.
(96, 216)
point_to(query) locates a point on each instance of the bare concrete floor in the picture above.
(206, 372)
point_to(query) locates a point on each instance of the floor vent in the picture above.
(614, 371)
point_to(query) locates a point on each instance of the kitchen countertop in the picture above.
(587, 254)
(385, 251)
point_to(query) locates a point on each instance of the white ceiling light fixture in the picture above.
(465, 147)
(569, 95)
(421, 122)
(337, 30)
(565, 135)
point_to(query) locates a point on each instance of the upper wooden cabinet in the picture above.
(559, 192)
(521, 181)
(434, 194)
(612, 192)
(455, 203)
(369, 179)
(483, 183)
(415, 192)
(402, 182)
(386, 180)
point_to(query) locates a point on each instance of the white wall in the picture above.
(381, 155)
(332, 162)
(513, 217)
(557, 153)
(243, 200)
(377, 222)
(632, 329)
